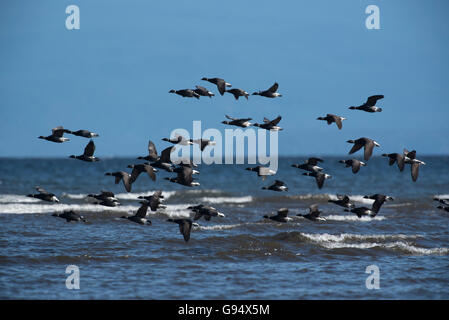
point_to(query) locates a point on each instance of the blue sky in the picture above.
(113, 75)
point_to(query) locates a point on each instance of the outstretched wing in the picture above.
(415, 171)
(59, 131)
(142, 212)
(165, 154)
(283, 212)
(314, 161)
(369, 146)
(230, 118)
(319, 179)
(184, 227)
(152, 152)
(356, 147)
(89, 149)
(355, 166)
(273, 88)
(42, 190)
(371, 101)
(149, 169)
(400, 160)
(221, 85)
(278, 183)
(276, 121)
(126, 181)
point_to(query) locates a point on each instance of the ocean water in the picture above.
(240, 256)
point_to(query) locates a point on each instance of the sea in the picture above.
(402, 253)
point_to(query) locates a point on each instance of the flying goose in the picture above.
(237, 93)
(84, 133)
(310, 165)
(203, 92)
(56, 135)
(333, 118)
(342, 201)
(152, 153)
(155, 200)
(44, 195)
(221, 84)
(277, 186)
(186, 93)
(410, 158)
(281, 216)
(140, 215)
(262, 171)
(314, 214)
(164, 161)
(104, 195)
(395, 157)
(366, 143)
(445, 208)
(207, 212)
(203, 143)
(88, 154)
(354, 163)
(243, 123)
(184, 177)
(319, 177)
(369, 105)
(185, 226)
(139, 168)
(121, 175)
(362, 211)
(269, 93)
(270, 124)
(70, 215)
(379, 200)
(179, 140)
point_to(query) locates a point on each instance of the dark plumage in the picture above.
(362, 211)
(369, 105)
(395, 157)
(185, 226)
(243, 123)
(270, 124)
(139, 168)
(221, 84)
(104, 195)
(354, 163)
(379, 200)
(203, 143)
(237, 93)
(152, 153)
(333, 118)
(342, 201)
(184, 177)
(366, 143)
(277, 186)
(281, 216)
(310, 165)
(410, 158)
(88, 154)
(313, 215)
(164, 161)
(319, 177)
(269, 93)
(262, 171)
(207, 212)
(186, 93)
(57, 135)
(84, 133)
(70, 216)
(121, 175)
(445, 208)
(203, 92)
(140, 215)
(179, 140)
(44, 195)
(155, 200)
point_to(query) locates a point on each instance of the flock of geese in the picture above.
(185, 170)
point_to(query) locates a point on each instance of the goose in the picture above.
(319, 177)
(108, 202)
(354, 163)
(270, 124)
(262, 171)
(152, 153)
(44, 195)
(243, 123)
(310, 165)
(410, 158)
(84, 133)
(185, 226)
(139, 168)
(333, 118)
(186, 93)
(366, 143)
(164, 161)
(369, 105)
(277, 186)
(184, 178)
(207, 212)
(221, 84)
(314, 214)
(379, 200)
(269, 93)
(281, 216)
(442, 201)
(362, 211)
(88, 154)
(140, 215)
(155, 200)
(237, 93)
(57, 135)
(342, 201)
(104, 195)
(203, 143)
(179, 140)
(445, 208)
(121, 175)
(203, 92)
(395, 157)
(70, 215)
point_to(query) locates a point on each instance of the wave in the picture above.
(15, 198)
(227, 199)
(354, 218)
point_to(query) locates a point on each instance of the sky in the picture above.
(112, 76)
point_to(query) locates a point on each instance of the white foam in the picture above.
(15, 198)
(220, 226)
(441, 196)
(326, 237)
(227, 199)
(354, 218)
(21, 208)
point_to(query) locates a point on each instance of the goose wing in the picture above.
(165, 154)
(273, 88)
(371, 101)
(89, 149)
(142, 211)
(152, 152)
(185, 227)
(369, 146)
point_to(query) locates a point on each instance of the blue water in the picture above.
(240, 256)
